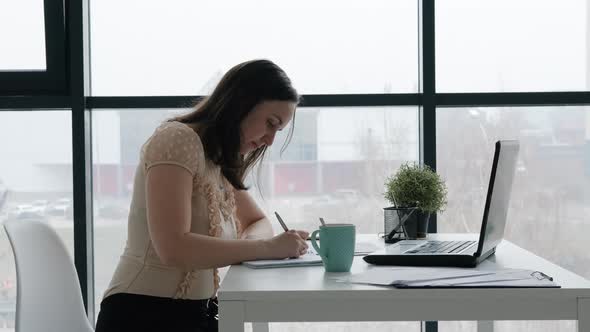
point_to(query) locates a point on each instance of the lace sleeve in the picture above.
(175, 144)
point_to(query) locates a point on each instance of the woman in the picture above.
(190, 212)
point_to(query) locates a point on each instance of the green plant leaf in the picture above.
(415, 185)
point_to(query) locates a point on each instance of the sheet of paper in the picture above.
(309, 259)
(500, 278)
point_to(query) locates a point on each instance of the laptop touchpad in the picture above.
(403, 246)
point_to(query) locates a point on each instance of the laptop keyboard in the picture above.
(441, 247)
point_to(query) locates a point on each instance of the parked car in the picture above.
(27, 211)
(346, 196)
(40, 206)
(61, 208)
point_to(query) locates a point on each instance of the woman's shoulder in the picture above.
(177, 132)
(174, 141)
(175, 127)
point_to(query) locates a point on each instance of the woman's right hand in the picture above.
(287, 244)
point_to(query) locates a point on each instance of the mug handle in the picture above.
(313, 239)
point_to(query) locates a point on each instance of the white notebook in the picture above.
(309, 259)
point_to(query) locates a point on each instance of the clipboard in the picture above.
(455, 278)
(513, 278)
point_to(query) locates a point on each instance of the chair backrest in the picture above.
(48, 291)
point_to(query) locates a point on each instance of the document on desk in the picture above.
(311, 258)
(408, 277)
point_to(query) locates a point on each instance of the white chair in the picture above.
(48, 291)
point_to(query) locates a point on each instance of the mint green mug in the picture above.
(336, 246)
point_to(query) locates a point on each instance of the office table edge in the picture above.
(570, 302)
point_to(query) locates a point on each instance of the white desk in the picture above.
(308, 294)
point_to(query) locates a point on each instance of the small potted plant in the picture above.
(415, 191)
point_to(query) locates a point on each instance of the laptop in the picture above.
(463, 253)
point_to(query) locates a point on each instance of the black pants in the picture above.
(132, 312)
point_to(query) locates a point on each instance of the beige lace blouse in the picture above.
(140, 270)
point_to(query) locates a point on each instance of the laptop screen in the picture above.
(498, 197)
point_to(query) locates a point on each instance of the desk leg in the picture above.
(259, 327)
(231, 316)
(485, 326)
(584, 315)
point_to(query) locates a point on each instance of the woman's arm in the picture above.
(254, 223)
(168, 195)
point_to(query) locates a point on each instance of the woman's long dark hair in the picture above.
(218, 116)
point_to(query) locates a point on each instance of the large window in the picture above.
(35, 184)
(184, 47)
(24, 49)
(362, 67)
(362, 145)
(503, 45)
(32, 35)
(550, 195)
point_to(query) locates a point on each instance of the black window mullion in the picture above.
(401, 99)
(337, 100)
(79, 88)
(428, 115)
(491, 99)
(428, 111)
(55, 45)
(26, 103)
(494, 99)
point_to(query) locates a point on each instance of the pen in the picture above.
(322, 221)
(281, 221)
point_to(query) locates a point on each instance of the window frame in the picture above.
(52, 80)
